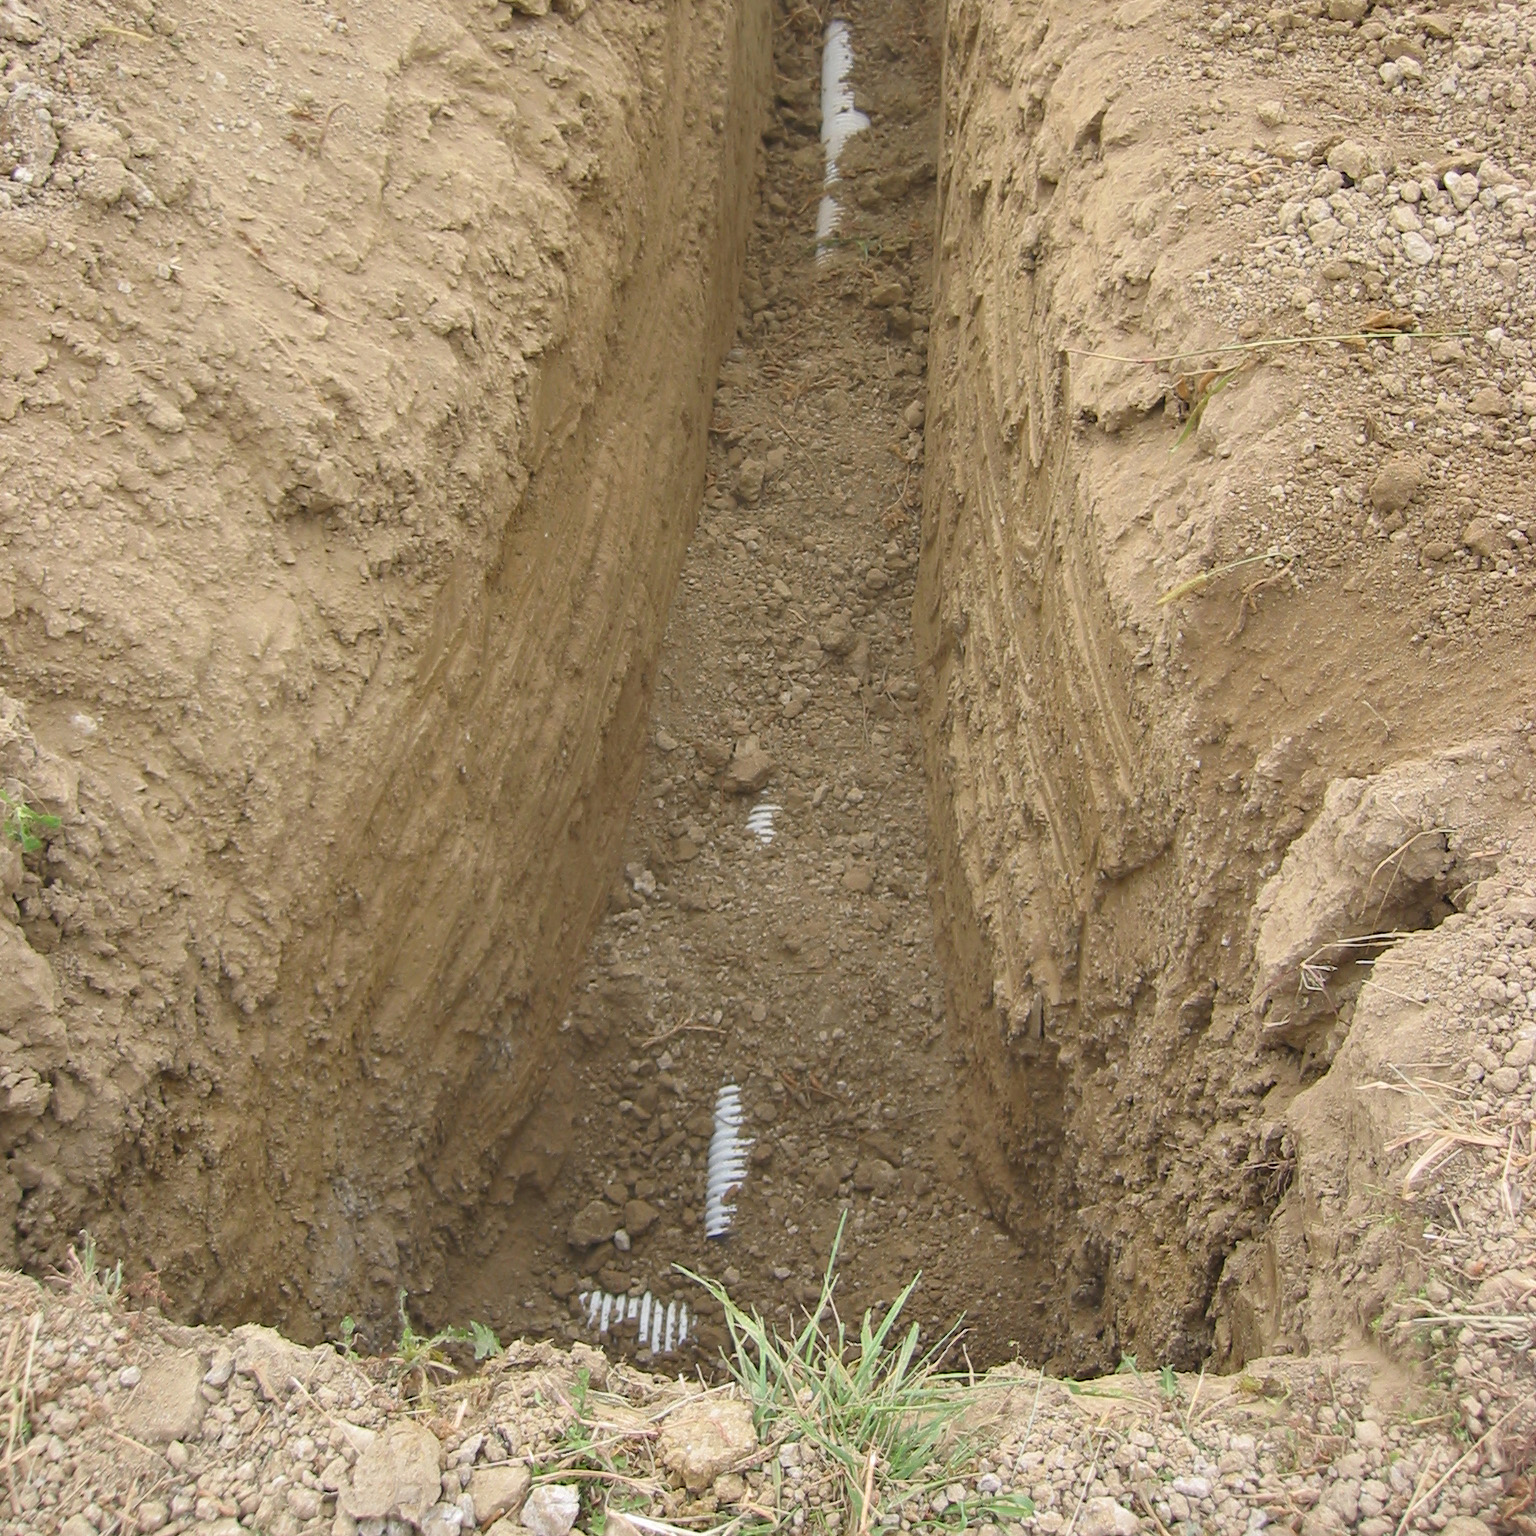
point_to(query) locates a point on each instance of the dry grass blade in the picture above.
(1419, 1500)
(1314, 970)
(17, 1394)
(1266, 345)
(1205, 578)
(1444, 1145)
(1446, 1130)
(1398, 854)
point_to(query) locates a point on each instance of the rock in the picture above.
(837, 635)
(77, 1525)
(1322, 1521)
(749, 769)
(639, 1217)
(1270, 113)
(442, 1520)
(20, 24)
(152, 1514)
(731, 1488)
(885, 293)
(858, 878)
(1436, 549)
(1104, 1517)
(750, 474)
(164, 417)
(594, 1223)
(530, 7)
(398, 1477)
(1350, 159)
(876, 579)
(167, 1404)
(1437, 26)
(105, 183)
(705, 1439)
(1489, 401)
(1396, 483)
(620, 1525)
(914, 415)
(1417, 249)
(498, 1491)
(1466, 1525)
(1347, 10)
(1449, 351)
(273, 1360)
(551, 1509)
(664, 742)
(1484, 538)
(304, 1503)
(876, 1175)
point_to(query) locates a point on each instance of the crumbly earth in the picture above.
(1226, 526)
(354, 413)
(134, 1424)
(799, 968)
(354, 389)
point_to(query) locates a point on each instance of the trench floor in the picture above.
(802, 969)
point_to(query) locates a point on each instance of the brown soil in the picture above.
(332, 597)
(803, 970)
(1125, 699)
(1127, 732)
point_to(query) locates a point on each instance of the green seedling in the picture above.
(21, 824)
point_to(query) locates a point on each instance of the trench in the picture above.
(771, 927)
(866, 913)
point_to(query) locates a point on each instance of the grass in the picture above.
(881, 1413)
(16, 1399)
(89, 1279)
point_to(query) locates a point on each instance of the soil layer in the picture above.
(799, 968)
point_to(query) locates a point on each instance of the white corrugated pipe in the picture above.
(727, 1162)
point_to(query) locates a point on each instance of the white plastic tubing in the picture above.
(840, 120)
(661, 1328)
(727, 1162)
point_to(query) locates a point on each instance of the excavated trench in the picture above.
(457, 1118)
(792, 741)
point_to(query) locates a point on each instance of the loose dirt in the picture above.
(801, 969)
(331, 591)
(1080, 794)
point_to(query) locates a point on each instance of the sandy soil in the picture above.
(354, 378)
(1143, 950)
(1171, 611)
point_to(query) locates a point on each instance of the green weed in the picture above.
(87, 1277)
(20, 824)
(421, 1355)
(883, 1414)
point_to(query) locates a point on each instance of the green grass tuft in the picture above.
(881, 1412)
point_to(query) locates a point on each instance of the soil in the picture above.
(446, 494)
(331, 599)
(139, 1424)
(802, 969)
(1193, 574)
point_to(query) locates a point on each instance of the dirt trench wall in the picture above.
(346, 481)
(1113, 776)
